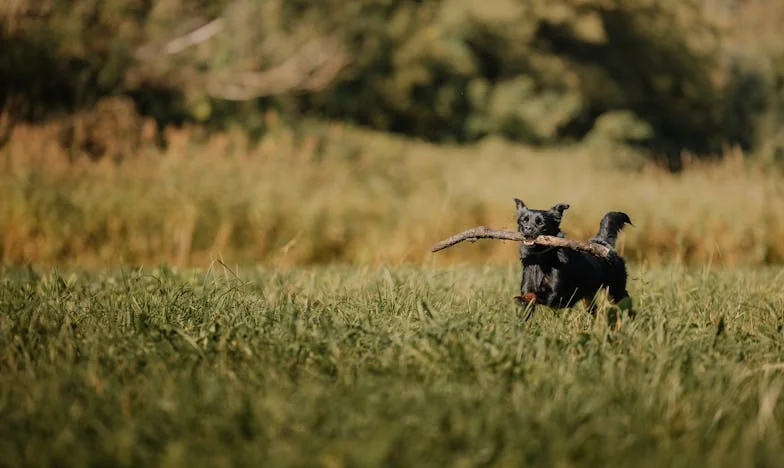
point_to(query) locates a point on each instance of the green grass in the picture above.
(420, 366)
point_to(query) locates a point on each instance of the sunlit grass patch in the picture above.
(368, 366)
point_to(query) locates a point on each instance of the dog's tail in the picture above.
(609, 227)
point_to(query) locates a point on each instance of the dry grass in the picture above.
(333, 193)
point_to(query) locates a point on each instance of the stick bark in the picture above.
(483, 232)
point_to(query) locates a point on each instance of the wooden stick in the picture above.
(483, 232)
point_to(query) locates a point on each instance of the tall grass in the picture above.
(364, 367)
(332, 193)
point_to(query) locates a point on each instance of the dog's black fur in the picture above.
(559, 277)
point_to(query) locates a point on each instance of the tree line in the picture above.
(665, 76)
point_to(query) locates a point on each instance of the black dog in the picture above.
(559, 277)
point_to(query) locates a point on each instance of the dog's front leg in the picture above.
(529, 302)
(529, 297)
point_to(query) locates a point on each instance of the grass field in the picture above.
(398, 357)
(419, 366)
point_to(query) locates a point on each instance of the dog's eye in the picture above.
(525, 219)
(539, 221)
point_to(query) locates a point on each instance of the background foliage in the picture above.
(297, 132)
(664, 76)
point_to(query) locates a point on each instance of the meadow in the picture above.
(327, 193)
(218, 302)
(205, 262)
(410, 366)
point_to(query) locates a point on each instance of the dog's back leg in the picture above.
(617, 293)
(590, 305)
(622, 299)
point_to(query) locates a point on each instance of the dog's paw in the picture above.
(527, 298)
(625, 303)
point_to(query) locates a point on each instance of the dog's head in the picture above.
(533, 223)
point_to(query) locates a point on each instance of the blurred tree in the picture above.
(665, 75)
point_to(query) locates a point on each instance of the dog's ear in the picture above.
(520, 206)
(558, 210)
